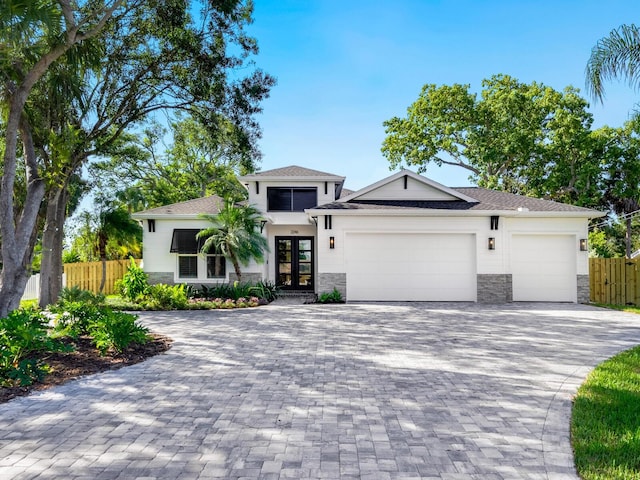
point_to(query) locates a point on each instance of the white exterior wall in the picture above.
(415, 191)
(496, 261)
(576, 227)
(259, 200)
(334, 261)
(272, 231)
(284, 224)
(158, 259)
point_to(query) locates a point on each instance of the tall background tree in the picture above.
(523, 138)
(155, 56)
(33, 36)
(617, 56)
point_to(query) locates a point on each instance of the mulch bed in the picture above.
(86, 360)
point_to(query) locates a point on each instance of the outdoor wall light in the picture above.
(332, 242)
(583, 244)
(492, 243)
(262, 224)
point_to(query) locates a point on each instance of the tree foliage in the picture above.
(523, 138)
(153, 55)
(614, 56)
(145, 173)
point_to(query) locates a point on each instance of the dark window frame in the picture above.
(184, 242)
(292, 203)
(192, 267)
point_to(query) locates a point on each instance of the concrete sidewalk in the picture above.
(369, 391)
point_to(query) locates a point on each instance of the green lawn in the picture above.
(605, 424)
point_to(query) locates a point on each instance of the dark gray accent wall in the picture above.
(494, 288)
(328, 281)
(584, 293)
(160, 277)
(246, 277)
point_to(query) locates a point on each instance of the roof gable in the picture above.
(406, 185)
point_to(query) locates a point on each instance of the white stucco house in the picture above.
(404, 238)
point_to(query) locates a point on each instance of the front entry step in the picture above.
(295, 297)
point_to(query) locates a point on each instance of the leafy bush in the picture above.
(266, 290)
(331, 297)
(116, 331)
(134, 283)
(23, 333)
(71, 256)
(163, 297)
(76, 294)
(73, 318)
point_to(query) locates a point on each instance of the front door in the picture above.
(294, 268)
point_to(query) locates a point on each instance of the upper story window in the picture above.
(291, 199)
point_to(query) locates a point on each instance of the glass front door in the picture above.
(294, 269)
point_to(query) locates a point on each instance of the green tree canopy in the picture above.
(522, 138)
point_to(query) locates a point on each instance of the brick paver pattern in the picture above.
(356, 391)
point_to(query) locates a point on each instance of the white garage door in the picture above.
(544, 268)
(411, 266)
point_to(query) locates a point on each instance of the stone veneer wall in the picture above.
(584, 292)
(246, 277)
(328, 281)
(160, 277)
(495, 288)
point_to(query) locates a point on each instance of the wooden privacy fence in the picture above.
(88, 275)
(614, 280)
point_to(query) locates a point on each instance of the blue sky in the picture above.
(344, 67)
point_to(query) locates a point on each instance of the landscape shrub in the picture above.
(163, 297)
(23, 333)
(331, 297)
(134, 284)
(76, 294)
(72, 319)
(265, 290)
(116, 331)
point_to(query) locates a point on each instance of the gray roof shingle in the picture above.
(292, 171)
(487, 200)
(208, 205)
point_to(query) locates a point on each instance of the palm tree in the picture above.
(614, 56)
(114, 224)
(234, 234)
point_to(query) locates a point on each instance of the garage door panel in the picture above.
(544, 268)
(426, 267)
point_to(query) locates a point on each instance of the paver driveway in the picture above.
(372, 391)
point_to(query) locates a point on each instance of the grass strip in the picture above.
(605, 423)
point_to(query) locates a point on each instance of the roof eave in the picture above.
(430, 212)
(168, 216)
(269, 178)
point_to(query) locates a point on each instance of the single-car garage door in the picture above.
(411, 266)
(544, 268)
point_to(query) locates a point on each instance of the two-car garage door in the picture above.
(411, 266)
(442, 267)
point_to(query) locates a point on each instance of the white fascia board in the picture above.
(260, 178)
(452, 213)
(415, 176)
(165, 216)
